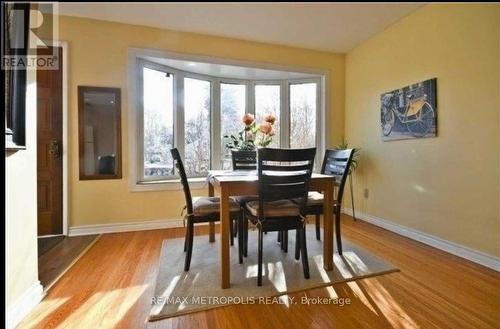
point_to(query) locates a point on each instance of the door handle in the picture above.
(54, 149)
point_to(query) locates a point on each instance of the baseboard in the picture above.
(125, 227)
(456, 249)
(24, 305)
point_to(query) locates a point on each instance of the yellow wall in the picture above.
(98, 57)
(447, 186)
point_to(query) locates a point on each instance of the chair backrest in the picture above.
(182, 173)
(284, 174)
(337, 163)
(244, 160)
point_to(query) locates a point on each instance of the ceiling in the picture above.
(337, 27)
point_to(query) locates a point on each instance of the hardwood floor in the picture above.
(54, 262)
(112, 285)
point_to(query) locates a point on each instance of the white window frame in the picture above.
(283, 116)
(212, 81)
(137, 181)
(218, 162)
(141, 64)
(320, 118)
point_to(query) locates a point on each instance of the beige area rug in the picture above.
(178, 292)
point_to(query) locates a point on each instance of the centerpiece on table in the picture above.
(253, 135)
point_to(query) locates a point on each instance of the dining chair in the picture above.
(335, 163)
(244, 160)
(201, 210)
(283, 175)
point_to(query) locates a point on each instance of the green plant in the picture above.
(355, 157)
(239, 142)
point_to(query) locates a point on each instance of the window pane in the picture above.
(197, 126)
(267, 101)
(303, 115)
(158, 123)
(232, 102)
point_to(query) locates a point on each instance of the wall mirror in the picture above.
(99, 132)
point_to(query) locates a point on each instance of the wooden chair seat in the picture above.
(279, 208)
(203, 206)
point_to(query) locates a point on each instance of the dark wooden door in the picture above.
(49, 152)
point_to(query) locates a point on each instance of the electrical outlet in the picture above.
(366, 193)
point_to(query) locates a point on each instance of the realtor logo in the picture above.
(27, 27)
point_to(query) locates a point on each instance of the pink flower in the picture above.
(248, 119)
(265, 127)
(270, 118)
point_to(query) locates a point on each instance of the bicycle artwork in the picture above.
(409, 112)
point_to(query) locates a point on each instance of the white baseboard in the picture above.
(24, 305)
(124, 227)
(456, 249)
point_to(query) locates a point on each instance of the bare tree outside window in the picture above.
(267, 101)
(158, 122)
(197, 126)
(233, 99)
(303, 115)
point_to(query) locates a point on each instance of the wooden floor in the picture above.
(112, 285)
(60, 256)
(47, 243)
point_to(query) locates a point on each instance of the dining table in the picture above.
(230, 183)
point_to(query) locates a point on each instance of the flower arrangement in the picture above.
(253, 135)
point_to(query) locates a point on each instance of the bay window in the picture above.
(158, 123)
(197, 126)
(194, 112)
(232, 109)
(303, 115)
(268, 102)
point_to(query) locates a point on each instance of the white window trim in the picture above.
(283, 116)
(320, 117)
(135, 111)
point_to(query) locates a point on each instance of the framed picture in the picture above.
(409, 112)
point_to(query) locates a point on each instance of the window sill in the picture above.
(169, 185)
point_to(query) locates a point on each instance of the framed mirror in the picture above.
(99, 132)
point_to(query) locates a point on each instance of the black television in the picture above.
(15, 43)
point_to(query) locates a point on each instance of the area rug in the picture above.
(178, 292)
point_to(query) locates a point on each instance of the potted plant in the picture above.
(354, 164)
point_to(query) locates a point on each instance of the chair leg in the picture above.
(189, 236)
(337, 232)
(284, 243)
(186, 238)
(240, 238)
(303, 247)
(259, 270)
(231, 231)
(297, 244)
(245, 236)
(236, 227)
(278, 239)
(318, 229)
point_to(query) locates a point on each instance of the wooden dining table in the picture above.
(229, 183)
